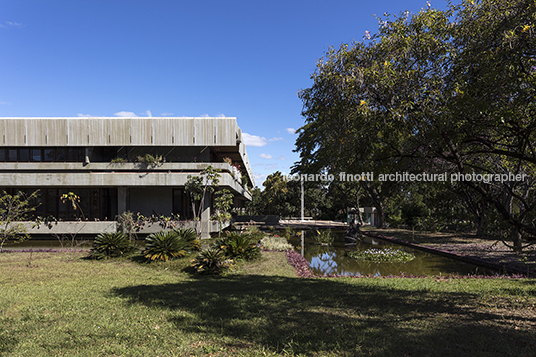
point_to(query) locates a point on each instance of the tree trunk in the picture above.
(516, 239)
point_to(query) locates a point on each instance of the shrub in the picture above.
(212, 261)
(388, 255)
(254, 232)
(149, 159)
(239, 246)
(164, 246)
(323, 237)
(111, 245)
(189, 237)
(276, 243)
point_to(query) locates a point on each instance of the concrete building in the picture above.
(108, 163)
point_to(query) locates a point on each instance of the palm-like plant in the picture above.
(189, 236)
(164, 246)
(212, 261)
(239, 246)
(111, 245)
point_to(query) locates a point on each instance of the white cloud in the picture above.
(16, 24)
(204, 115)
(253, 140)
(148, 112)
(276, 139)
(269, 167)
(221, 116)
(266, 156)
(84, 115)
(4, 103)
(291, 130)
(281, 157)
(259, 178)
(125, 114)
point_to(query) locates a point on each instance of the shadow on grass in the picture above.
(319, 316)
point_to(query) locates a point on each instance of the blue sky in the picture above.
(243, 59)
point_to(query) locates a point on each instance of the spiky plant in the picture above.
(239, 246)
(323, 237)
(212, 261)
(164, 246)
(111, 245)
(189, 236)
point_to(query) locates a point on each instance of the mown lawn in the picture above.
(62, 307)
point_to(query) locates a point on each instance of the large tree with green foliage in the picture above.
(444, 90)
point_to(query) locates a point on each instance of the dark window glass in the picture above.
(35, 155)
(73, 155)
(12, 154)
(51, 196)
(2, 154)
(177, 202)
(24, 155)
(49, 155)
(61, 154)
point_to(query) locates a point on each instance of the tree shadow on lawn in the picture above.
(320, 316)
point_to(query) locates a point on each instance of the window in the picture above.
(12, 155)
(35, 155)
(24, 155)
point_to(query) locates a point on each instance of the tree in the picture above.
(257, 204)
(13, 209)
(199, 187)
(451, 89)
(223, 202)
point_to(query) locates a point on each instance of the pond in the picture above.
(333, 259)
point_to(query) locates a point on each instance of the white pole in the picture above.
(302, 217)
(302, 243)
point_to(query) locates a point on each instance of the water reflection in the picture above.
(333, 260)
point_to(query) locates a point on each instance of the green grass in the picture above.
(60, 307)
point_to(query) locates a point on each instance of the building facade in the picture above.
(120, 164)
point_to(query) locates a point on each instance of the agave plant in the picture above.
(111, 245)
(212, 261)
(164, 246)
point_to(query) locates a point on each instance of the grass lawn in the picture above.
(77, 307)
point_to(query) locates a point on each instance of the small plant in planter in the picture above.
(323, 237)
(388, 255)
(149, 159)
(112, 245)
(119, 160)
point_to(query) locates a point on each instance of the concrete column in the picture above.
(205, 216)
(121, 199)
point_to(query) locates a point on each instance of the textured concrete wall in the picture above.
(118, 131)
